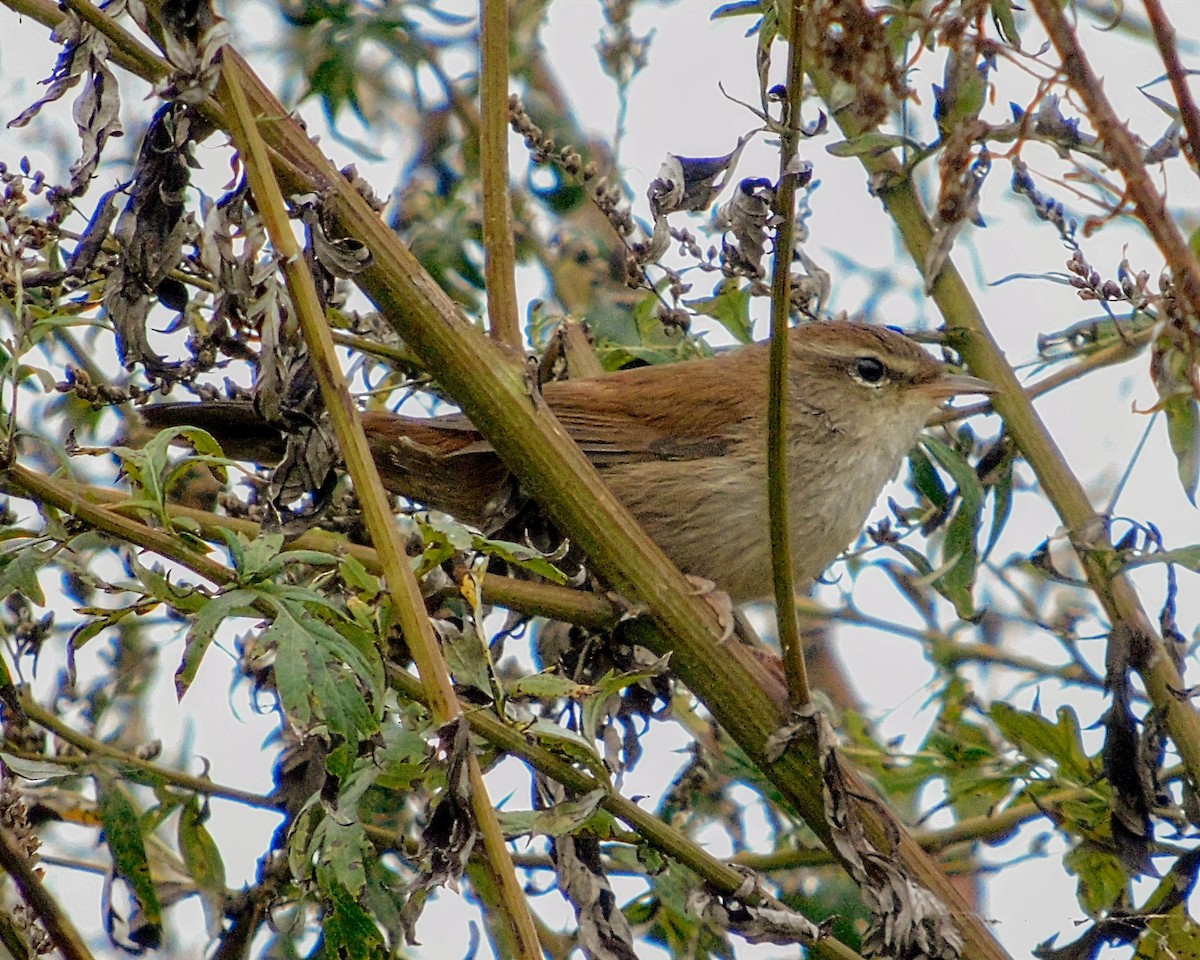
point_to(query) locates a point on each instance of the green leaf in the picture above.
(202, 858)
(1188, 557)
(358, 578)
(1002, 15)
(467, 657)
(345, 849)
(1101, 877)
(1170, 936)
(1172, 370)
(36, 769)
(19, 568)
(185, 600)
(730, 307)
(348, 931)
(960, 546)
(999, 481)
(872, 144)
(569, 744)
(925, 479)
(547, 685)
(403, 759)
(318, 673)
(521, 555)
(155, 468)
(123, 836)
(204, 626)
(1183, 430)
(556, 821)
(1038, 738)
(594, 703)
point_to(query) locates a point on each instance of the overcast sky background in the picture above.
(675, 106)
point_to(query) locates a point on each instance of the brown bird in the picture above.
(682, 445)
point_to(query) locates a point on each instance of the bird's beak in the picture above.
(952, 384)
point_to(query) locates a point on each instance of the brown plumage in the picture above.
(683, 446)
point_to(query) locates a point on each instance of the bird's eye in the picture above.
(870, 370)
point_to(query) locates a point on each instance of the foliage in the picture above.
(123, 549)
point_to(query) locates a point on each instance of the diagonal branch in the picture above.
(373, 499)
(1164, 36)
(1123, 153)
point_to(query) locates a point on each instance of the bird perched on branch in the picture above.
(683, 446)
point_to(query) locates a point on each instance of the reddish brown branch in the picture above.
(1164, 36)
(55, 922)
(1123, 153)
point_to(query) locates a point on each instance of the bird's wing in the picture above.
(647, 413)
(657, 413)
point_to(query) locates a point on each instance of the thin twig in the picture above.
(782, 562)
(91, 747)
(1123, 153)
(1164, 36)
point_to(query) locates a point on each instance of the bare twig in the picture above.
(782, 562)
(1164, 36)
(1123, 153)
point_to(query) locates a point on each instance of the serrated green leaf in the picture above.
(291, 675)
(345, 849)
(523, 556)
(455, 534)
(185, 600)
(402, 761)
(1038, 738)
(466, 658)
(348, 931)
(203, 627)
(19, 570)
(255, 554)
(358, 578)
(317, 673)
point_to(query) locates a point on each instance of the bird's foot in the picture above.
(719, 600)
